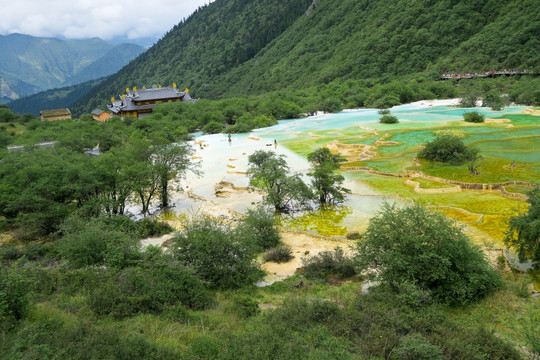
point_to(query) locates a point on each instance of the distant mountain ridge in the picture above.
(31, 64)
(57, 98)
(238, 47)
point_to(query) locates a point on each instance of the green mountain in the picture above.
(239, 47)
(30, 64)
(57, 98)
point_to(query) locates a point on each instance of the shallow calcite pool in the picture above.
(508, 144)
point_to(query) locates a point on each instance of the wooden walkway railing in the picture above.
(488, 74)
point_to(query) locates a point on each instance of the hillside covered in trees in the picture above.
(239, 47)
(31, 64)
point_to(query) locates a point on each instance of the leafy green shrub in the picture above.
(523, 233)
(416, 347)
(77, 222)
(329, 263)
(178, 313)
(473, 117)
(414, 244)
(244, 306)
(388, 119)
(386, 316)
(37, 251)
(148, 290)
(217, 253)
(355, 235)
(446, 148)
(14, 302)
(153, 228)
(73, 281)
(96, 244)
(280, 254)
(302, 313)
(205, 347)
(494, 100)
(259, 225)
(50, 336)
(213, 127)
(264, 121)
(10, 252)
(3, 221)
(331, 105)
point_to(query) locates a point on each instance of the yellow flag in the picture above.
(134, 88)
(187, 90)
(127, 90)
(123, 96)
(112, 99)
(174, 85)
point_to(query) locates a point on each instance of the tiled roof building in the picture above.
(138, 103)
(57, 114)
(100, 115)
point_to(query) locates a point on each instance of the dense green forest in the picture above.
(237, 47)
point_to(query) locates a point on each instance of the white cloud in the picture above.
(88, 18)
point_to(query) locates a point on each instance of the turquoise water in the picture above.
(221, 160)
(345, 119)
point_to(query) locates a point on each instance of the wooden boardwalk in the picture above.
(488, 74)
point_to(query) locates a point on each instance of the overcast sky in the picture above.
(107, 19)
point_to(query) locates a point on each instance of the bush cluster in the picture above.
(260, 226)
(279, 254)
(326, 263)
(377, 325)
(473, 117)
(153, 228)
(14, 301)
(222, 256)
(447, 148)
(414, 244)
(388, 119)
(139, 290)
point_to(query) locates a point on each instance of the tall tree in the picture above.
(171, 161)
(270, 173)
(326, 182)
(116, 183)
(143, 172)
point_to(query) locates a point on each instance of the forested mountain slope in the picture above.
(57, 98)
(212, 41)
(239, 47)
(30, 64)
(369, 39)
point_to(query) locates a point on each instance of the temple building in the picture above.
(139, 103)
